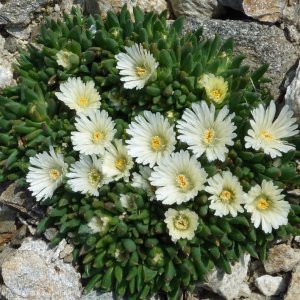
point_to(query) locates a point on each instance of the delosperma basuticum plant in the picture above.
(158, 154)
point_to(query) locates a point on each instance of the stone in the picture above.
(21, 201)
(18, 32)
(297, 239)
(32, 273)
(195, 8)
(265, 11)
(291, 21)
(244, 291)
(228, 285)
(7, 220)
(6, 76)
(5, 254)
(294, 286)
(261, 44)
(270, 285)
(96, 6)
(292, 96)
(281, 258)
(17, 12)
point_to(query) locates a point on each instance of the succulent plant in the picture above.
(133, 254)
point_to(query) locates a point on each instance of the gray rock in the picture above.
(270, 285)
(17, 12)
(291, 21)
(6, 76)
(228, 285)
(204, 8)
(281, 258)
(294, 287)
(22, 33)
(265, 11)
(292, 96)
(261, 44)
(96, 6)
(33, 273)
(11, 44)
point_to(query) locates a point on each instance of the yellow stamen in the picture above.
(266, 135)
(181, 222)
(208, 136)
(83, 101)
(216, 95)
(157, 143)
(120, 164)
(140, 71)
(97, 136)
(182, 181)
(226, 196)
(94, 177)
(54, 174)
(262, 203)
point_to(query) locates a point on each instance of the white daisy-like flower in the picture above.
(95, 132)
(141, 180)
(216, 87)
(206, 131)
(178, 178)
(46, 173)
(86, 175)
(83, 97)
(181, 224)
(152, 138)
(63, 58)
(226, 194)
(99, 224)
(267, 132)
(267, 207)
(116, 161)
(136, 66)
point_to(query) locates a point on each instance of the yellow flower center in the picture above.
(226, 196)
(83, 101)
(54, 174)
(140, 71)
(120, 164)
(157, 143)
(181, 222)
(266, 135)
(262, 203)
(94, 177)
(216, 95)
(208, 136)
(97, 136)
(182, 181)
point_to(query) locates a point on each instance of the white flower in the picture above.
(46, 174)
(178, 178)
(216, 87)
(227, 194)
(181, 224)
(63, 58)
(266, 132)
(136, 66)
(141, 180)
(86, 175)
(267, 206)
(94, 132)
(116, 161)
(153, 138)
(206, 131)
(83, 97)
(99, 224)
